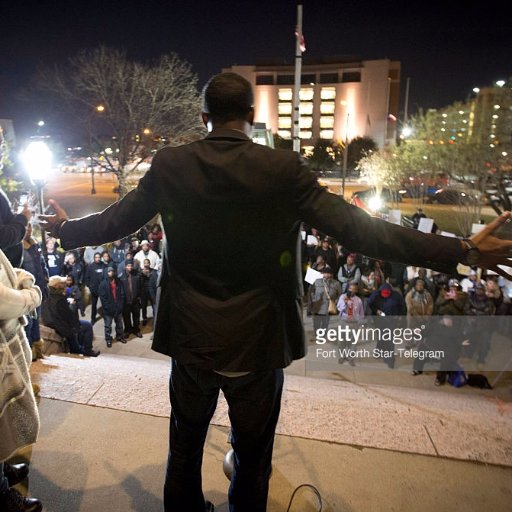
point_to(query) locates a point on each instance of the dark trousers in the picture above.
(94, 306)
(145, 299)
(108, 319)
(81, 341)
(32, 329)
(131, 317)
(254, 403)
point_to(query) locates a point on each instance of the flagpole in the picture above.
(367, 123)
(296, 87)
(406, 106)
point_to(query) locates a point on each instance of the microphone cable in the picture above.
(314, 489)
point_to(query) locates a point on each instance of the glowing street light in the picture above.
(100, 108)
(37, 159)
(406, 131)
(40, 123)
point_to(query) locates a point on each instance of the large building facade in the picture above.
(339, 99)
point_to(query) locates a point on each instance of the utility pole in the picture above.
(299, 48)
(406, 105)
(345, 159)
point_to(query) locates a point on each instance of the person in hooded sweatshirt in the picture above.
(387, 303)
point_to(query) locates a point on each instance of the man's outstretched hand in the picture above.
(494, 251)
(52, 223)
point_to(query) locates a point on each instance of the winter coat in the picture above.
(94, 274)
(445, 305)
(393, 305)
(149, 284)
(110, 306)
(59, 316)
(76, 270)
(136, 288)
(34, 262)
(419, 304)
(318, 292)
(12, 231)
(19, 419)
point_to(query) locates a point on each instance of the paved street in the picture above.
(73, 192)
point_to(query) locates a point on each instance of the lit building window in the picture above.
(285, 94)
(305, 122)
(327, 122)
(284, 109)
(285, 134)
(328, 93)
(305, 134)
(306, 108)
(327, 134)
(327, 107)
(284, 122)
(306, 94)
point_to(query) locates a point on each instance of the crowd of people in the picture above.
(229, 312)
(353, 288)
(119, 281)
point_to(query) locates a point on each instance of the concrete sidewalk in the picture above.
(367, 441)
(92, 459)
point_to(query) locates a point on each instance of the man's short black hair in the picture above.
(227, 97)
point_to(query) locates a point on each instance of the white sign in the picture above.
(476, 228)
(312, 275)
(395, 217)
(426, 225)
(312, 240)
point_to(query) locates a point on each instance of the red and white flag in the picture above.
(300, 38)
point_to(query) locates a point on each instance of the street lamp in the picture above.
(37, 159)
(93, 186)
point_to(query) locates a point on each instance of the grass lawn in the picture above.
(445, 216)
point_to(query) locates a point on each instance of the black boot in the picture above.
(15, 473)
(12, 501)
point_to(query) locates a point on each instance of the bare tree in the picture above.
(128, 109)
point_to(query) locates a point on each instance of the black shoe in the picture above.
(92, 353)
(12, 501)
(122, 339)
(138, 334)
(416, 372)
(109, 343)
(15, 473)
(208, 506)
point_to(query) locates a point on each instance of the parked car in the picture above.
(372, 202)
(454, 196)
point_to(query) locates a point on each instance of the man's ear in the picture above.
(250, 116)
(204, 118)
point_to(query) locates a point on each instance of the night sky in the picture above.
(445, 48)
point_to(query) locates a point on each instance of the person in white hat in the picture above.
(146, 253)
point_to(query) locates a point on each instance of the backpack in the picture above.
(458, 378)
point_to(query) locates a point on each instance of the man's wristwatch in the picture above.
(472, 253)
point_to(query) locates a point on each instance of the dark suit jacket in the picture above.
(231, 284)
